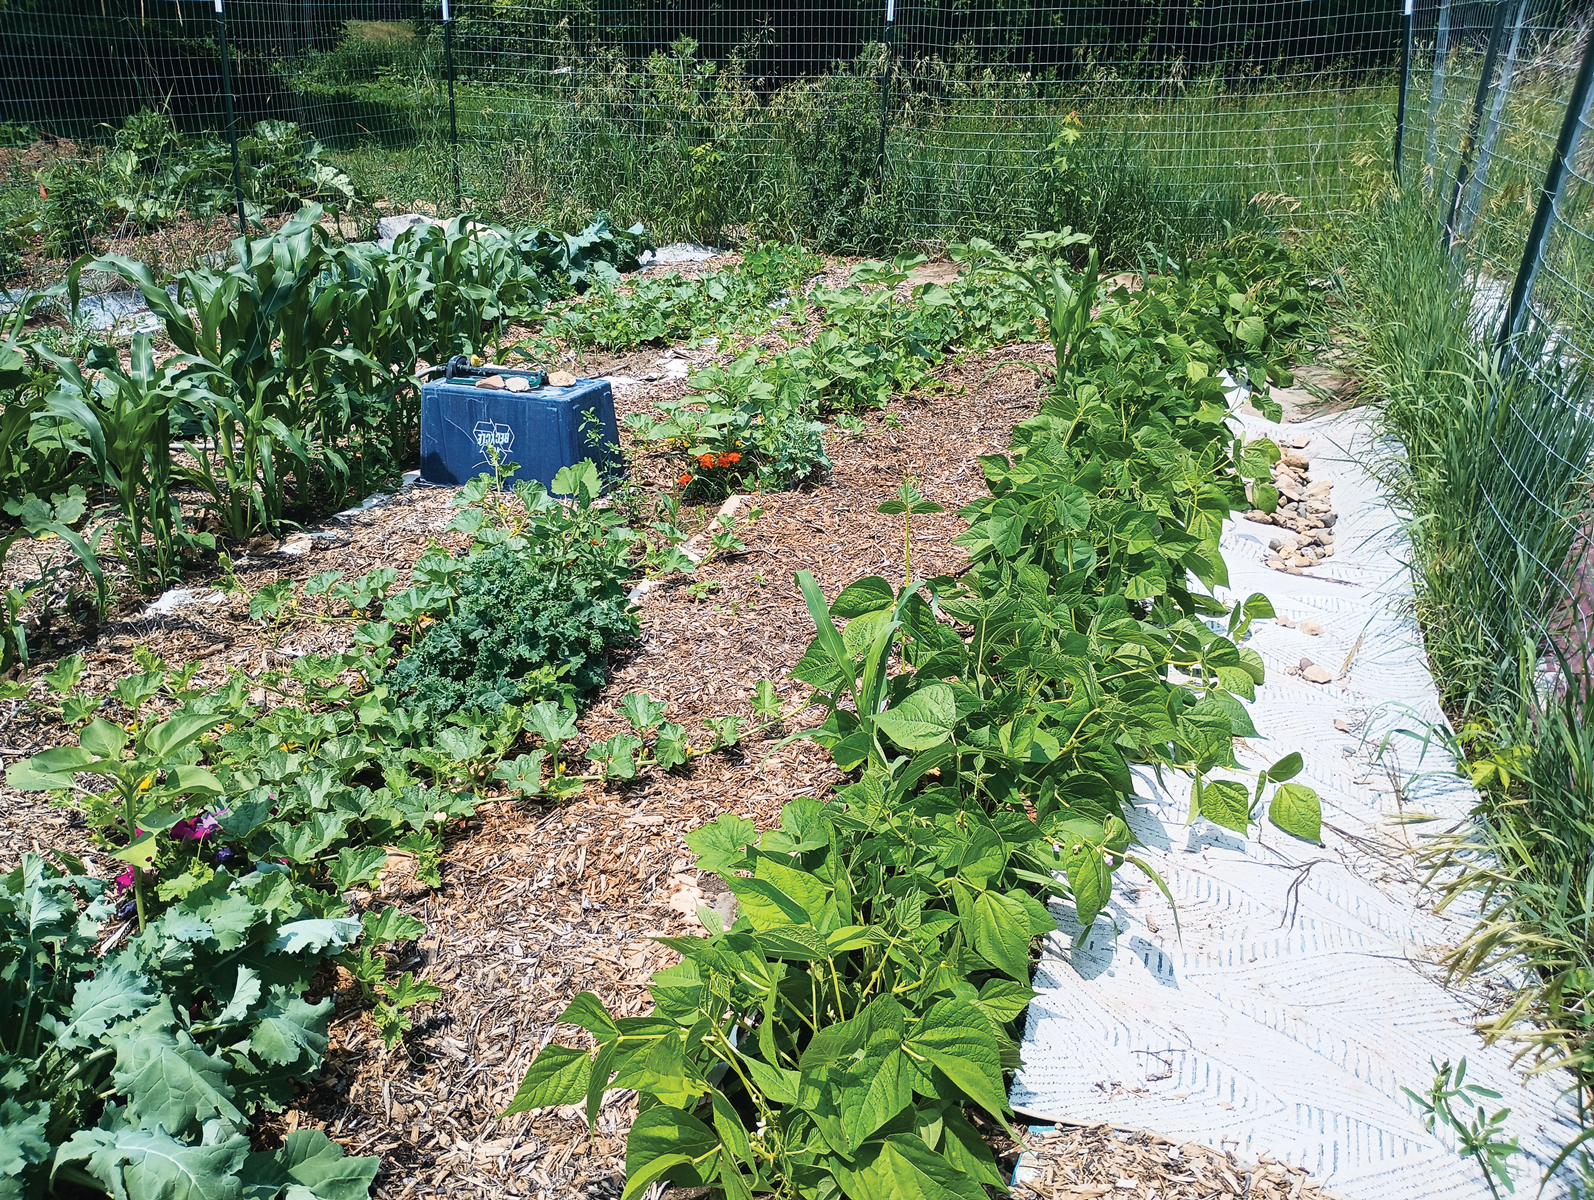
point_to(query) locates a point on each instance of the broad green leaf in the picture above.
(983, 857)
(923, 720)
(316, 934)
(558, 1075)
(956, 1037)
(686, 1148)
(1287, 768)
(116, 991)
(587, 1011)
(103, 739)
(177, 731)
(732, 1133)
(152, 1165)
(721, 845)
(883, 1079)
(1001, 934)
(1089, 879)
(313, 1167)
(1003, 999)
(356, 865)
(642, 711)
(1227, 803)
(1296, 810)
(777, 1083)
(290, 1030)
(196, 781)
(390, 925)
(173, 1083)
(22, 1142)
(902, 1167)
(764, 905)
(802, 886)
(867, 595)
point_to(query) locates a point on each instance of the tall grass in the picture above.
(1494, 484)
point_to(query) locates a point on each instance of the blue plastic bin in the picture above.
(541, 430)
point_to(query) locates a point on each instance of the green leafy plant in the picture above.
(1479, 1138)
(139, 1070)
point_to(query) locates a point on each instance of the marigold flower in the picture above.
(705, 460)
(684, 480)
(730, 459)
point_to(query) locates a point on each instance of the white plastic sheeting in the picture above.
(1302, 995)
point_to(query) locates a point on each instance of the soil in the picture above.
(540, 902)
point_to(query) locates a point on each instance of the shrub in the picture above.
(518, 634)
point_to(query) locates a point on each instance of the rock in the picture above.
(1317, 674)
(561, 379)
(1260, 517)
(1300, 560)
(390, 227)
(494, 383)
(1287, 542)
(1281, 619)
(1330, 520)
(1320, 490)
(517, 383)
(170, 601)
(1300, 441)
(1296, 461)
(1341, 725)
(297, 546)
(1303, 664)
(1310, 628)
(1276, 563)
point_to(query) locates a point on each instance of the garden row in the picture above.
(849, 1033)
(144, 1032)
(295, 391)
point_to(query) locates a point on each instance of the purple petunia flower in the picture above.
(196, 829)
(224, 854)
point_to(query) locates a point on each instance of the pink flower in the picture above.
(124, 880)
(196, 829)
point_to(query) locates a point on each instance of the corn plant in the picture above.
(124, 415)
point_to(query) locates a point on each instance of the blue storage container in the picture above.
(542, 430)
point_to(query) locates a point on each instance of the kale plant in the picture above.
(518, 633)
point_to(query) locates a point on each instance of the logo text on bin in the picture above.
(490, 435)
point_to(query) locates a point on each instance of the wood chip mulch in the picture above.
(1079, 1162)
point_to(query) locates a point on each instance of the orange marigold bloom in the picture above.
(705, 460)
(730, 460)
(684, 480)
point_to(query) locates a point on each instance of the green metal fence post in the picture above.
(1436, 91)
(1464, 168)
(1549, 196)
(232, 124)
(1405, 82)
(453, 116)
(885, 87)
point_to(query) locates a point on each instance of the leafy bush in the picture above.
(517, 634)
(531, 616)
(71, 206)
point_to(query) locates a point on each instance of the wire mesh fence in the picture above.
(882, 123)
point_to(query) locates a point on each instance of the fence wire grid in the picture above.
(873, 125)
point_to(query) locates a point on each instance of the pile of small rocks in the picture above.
(1304, 515)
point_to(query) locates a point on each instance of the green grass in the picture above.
(1493, 485)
